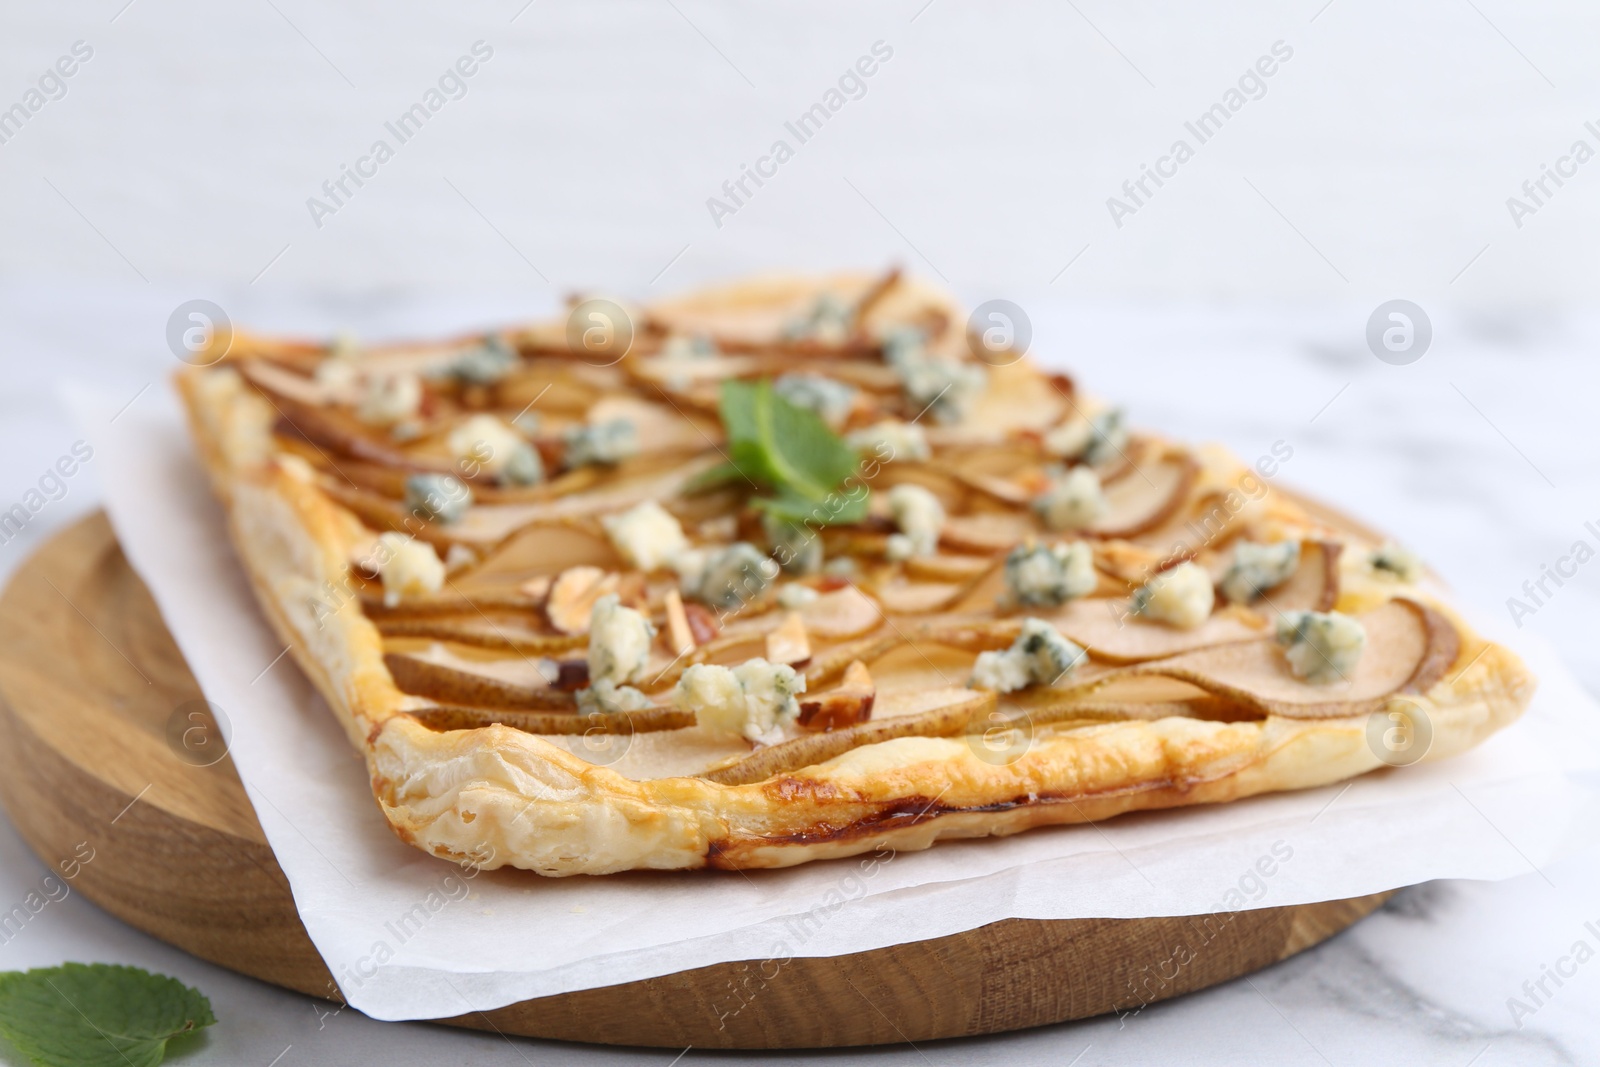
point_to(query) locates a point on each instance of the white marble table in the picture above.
(1426, 980)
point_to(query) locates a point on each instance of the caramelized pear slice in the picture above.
(452, 679)
(1147, 498)
(332, 427)
(935, 713)
(1314, 585)
(490, 523)
(1105, 627)
(481, 631)
(462, 717)
(1409, 648)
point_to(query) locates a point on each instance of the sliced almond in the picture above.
(789, 643)
(702, 622)
(847, 704)
(680, 638)
(572, 597)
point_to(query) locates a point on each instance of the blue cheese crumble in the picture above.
(728, 577)
(1074, 501)
(499, 451)
(1093, 440)
(754, 700)
(437, 496)
(647, 535)
(1391, 560)
(1321, 647)
(389, 399)
(1039, 575)
(1108, 436)
(891, 440)
(794, 596)
(485, 364)
(1257, 568)
(829, 321)
(619, 647)
(689, 346)
(606, 443)
(794, 545)
(408, 567)
(830, 398)
(920, 517)
(1039, 656)
(1180, 597)
(605, 697)
(945, 388)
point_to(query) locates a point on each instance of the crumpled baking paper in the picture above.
(408, 936)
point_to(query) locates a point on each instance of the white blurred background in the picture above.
(990, 142)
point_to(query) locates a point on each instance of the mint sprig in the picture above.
(786, 449)
(97, 1015)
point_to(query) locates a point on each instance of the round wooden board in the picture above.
(90, 678)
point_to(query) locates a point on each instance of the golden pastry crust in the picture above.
(504, 796)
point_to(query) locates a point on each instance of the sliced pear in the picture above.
(490, 523)
(1314, 585)
(1110, 633)
(462, 717)
(937, 713)
(1409, 648)
(332, 427)
(482, 631)
(450, 678)
(989, 532)
(1147, 498)
(918, 598)
(947, 567)
(829, 664)
(843, 613)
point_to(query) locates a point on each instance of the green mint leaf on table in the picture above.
(97, 1015)
(788, 449)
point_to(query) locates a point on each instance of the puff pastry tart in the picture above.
(799, 568)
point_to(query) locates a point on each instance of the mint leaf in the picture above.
(833, 510)
(715, 478)
(97, 1015)
(788, 448)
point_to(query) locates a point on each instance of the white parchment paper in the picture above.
(409, 936)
